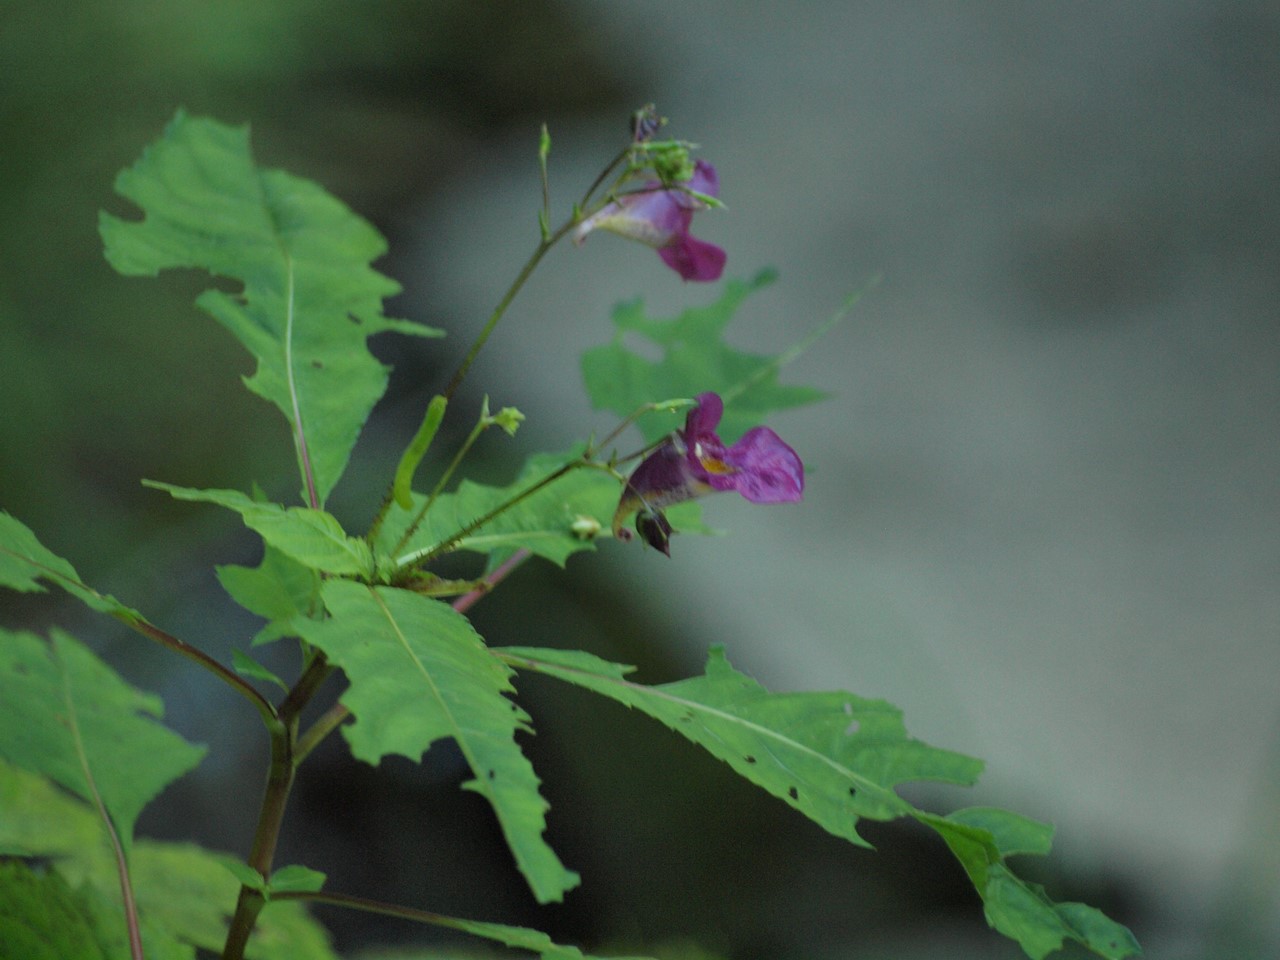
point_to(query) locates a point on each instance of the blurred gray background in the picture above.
(1042, 511)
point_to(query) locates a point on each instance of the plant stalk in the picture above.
(275, 798)
(462, 533)
(373, 906)
(182, 648)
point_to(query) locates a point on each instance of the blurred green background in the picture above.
(1045, 512)
(106, 381)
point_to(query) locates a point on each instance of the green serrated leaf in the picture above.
(694, 359)
(278, 589)
(41, 918)
(312, 537)
(185, 894)
(1018, 909)
(25, 562)
(521, 938)
(564, 518)
(39, 820)
(420, 673)
(71, 713)
(310, 299)
(833, 756)
(188, 893)
(837, 758)
(1097, 931)
(542, 523)
(1012, 833)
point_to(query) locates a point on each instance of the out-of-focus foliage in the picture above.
(103, 382)
(74, 720)
(420, 673)
(183, 891)
(695, 357)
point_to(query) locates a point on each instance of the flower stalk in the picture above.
(658, 214)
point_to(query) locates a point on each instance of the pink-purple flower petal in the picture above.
(766, 470)
(660, 217)
(694, 461)
(694, 259)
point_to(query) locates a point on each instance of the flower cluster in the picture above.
(660, 215)
(694, 461)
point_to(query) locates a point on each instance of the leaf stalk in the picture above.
(184, 649)
(444, 546)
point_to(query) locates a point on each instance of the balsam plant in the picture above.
(83, 752)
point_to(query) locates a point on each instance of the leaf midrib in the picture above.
(458, 730)
(863, 783)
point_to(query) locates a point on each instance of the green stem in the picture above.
(375, 906)
(605, 173)
(398, 491)
(317, 672)
(668, 405)
(139, 624)
(516, 285)
(329, 721)
(796, 349)
(447, 544)
(548, 241)
(275, 798)
(182, 648)
(431, 421)
(544, 215)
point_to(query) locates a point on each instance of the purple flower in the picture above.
(660, 217)
(694, 461)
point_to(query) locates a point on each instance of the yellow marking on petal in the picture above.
(718, 467)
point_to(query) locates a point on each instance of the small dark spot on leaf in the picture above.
(749, 759)
(793, 793)
(853, 791)
(318, 364)
(493, 775)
